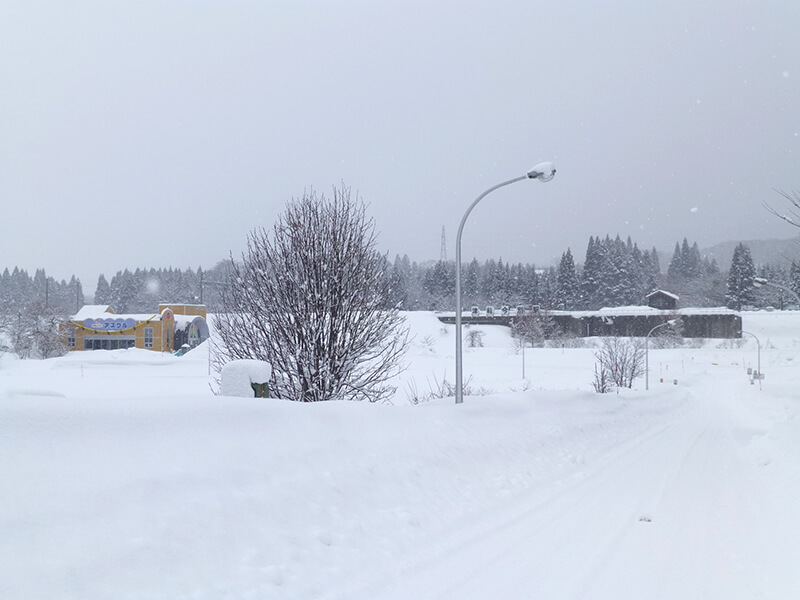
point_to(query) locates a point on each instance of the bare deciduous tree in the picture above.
(792, 216)
(621, 361)
(311, 297)
(536, 328)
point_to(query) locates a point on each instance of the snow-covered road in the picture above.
(689, 509)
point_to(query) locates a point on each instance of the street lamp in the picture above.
(759, 281)
(543, 172)
(647, 349)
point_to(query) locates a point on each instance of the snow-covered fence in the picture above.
(245, 378)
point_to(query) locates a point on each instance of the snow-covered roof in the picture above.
(100, 311)
(184, 321)
(670, 294)
(630, 311)
(92, 311)
(719, 310)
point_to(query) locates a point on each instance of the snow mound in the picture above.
(237, 376)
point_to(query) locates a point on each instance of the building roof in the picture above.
(184, 321)
(662, 292)
(630, 311)
(103, 311)
(93, 311)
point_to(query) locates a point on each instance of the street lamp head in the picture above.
(759, 281)
(543, 172)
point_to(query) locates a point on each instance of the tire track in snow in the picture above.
(665, 515)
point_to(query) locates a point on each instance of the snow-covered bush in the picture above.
(475, 339)
(602, 383)
(312, 298)
(34, 332)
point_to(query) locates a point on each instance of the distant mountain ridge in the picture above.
(764, 252)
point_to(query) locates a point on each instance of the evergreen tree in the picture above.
(693, 267)
(172, 286)
(124, 291)
(640, 287)
(488, 283)
(611, 286)
(40, 290)
(591, 275)
(675, 268)
(794, 277)
(710, 266)
(471, 282)
(102, 294)
(398, 284)
(5, 292)
(501, 283)
(21, 288)
(624, 273)
(568, 286)
(440, 284)
(76, 291)
(529, 289)
(548, 286)
(740, 290)
(655, 263)
(516, 284)
(649, 279)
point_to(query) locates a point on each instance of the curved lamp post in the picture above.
(647, 351)
(759, 281)
(543, 172)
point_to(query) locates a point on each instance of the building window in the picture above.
(148, 337)
(71, 337)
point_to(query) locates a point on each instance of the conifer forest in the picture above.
(612, 272)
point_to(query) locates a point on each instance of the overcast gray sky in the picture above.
(159, 133)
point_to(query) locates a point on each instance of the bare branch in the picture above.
(793, 215)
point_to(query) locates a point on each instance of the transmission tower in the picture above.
(443, 253)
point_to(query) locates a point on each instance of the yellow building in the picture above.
(97, 327)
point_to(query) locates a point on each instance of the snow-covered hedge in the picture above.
(238, 375)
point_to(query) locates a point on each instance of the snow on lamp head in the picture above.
(544, 172)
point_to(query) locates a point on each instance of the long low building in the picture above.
(98, 327)
(629, 321)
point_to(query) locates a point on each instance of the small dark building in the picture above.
(662, 300)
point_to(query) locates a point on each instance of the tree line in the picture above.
(32, 309)
(142, 290)
(614, 273)
(18, 291)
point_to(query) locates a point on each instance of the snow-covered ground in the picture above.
(122, 476)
